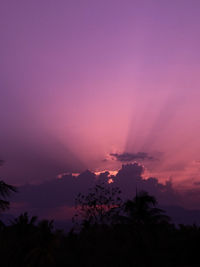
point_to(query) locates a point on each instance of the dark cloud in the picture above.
(129, 179)
(53, 195)
(127, 157)
(55, 198)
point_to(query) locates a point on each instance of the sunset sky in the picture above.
(83, 82)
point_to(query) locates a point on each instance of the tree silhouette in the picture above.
(43, 252)
(23, 219)
(5, 191)
(142, 210)
(96, 207)
(23, 224)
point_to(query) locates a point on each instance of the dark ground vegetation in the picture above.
(107, 232)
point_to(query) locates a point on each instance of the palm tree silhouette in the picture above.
(142, 210)
(5, 191)
(23, 219)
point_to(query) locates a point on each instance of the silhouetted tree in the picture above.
(23, 224)
(5, 191)
(23, 219)
(142, 210)
(43, 252)
(95, 207)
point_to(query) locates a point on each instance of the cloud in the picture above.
(45, 198)
(54, 199)
(127, 157)
(196, 183)
(130, 178)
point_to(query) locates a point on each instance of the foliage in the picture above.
(97, 206)
(5, 191)
(142, 210)
(141, 237)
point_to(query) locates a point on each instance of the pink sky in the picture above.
(82, 79)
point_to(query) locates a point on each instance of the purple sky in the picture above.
(80, 80)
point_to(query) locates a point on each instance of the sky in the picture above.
(89, 84)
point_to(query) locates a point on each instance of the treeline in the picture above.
(108, 231)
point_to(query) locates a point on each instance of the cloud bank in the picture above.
(55, 198)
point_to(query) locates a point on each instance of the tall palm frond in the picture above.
(5, 191)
